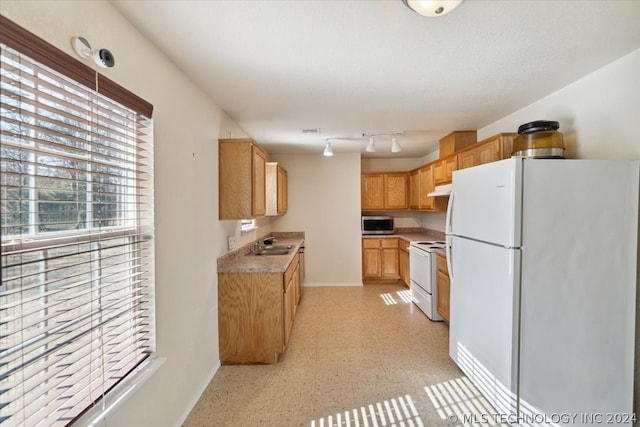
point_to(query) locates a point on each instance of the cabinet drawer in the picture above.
(369, 243)
(389, 243)
(441, 262)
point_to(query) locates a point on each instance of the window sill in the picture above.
(97, 416)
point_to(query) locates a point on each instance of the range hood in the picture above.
(441, 191)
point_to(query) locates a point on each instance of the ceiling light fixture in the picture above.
(432, 8)
(370, 147)
(328, 151)
(395, 147)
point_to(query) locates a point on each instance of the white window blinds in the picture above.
(76, 297)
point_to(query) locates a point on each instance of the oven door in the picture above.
(420, 268)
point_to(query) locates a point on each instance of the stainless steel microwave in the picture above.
(377, 225)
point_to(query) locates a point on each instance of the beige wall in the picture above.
(324, 202)
(189, 237)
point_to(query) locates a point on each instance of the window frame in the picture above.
(26, 43)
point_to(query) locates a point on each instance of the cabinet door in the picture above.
(259, 199)
(389, 256)
(506, 145)
(371, 261)
(235, 178)
(282, 190)
(289, 305)
(443, 295)
(489, 152)
(390, 268)
(296, 286)
(414, 190)
(426, 187)
(403, 264)
(467, 159)
(396, 187)
(450, 165)
(439, 172)
(372, 192)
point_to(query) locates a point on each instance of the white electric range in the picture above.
(422, 270)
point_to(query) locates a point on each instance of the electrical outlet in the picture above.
(231, 242)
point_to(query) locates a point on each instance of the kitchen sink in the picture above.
(273, 250)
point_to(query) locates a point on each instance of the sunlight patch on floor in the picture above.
(400, 411)
(459, 403)
(404, 296)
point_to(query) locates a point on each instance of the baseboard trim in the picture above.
(199, 393)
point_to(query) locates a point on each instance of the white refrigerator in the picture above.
(543, 263)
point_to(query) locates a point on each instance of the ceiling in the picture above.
(354, 67)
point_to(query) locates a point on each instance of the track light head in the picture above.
(395, 147)
(370, 147)
(328, 151)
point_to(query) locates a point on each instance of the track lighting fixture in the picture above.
(395, 147)
(328, 151)
(370, 147)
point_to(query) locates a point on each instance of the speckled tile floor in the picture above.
(349, 349)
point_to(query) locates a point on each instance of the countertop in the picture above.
(242, 261)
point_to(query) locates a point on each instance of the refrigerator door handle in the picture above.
(447, 226)
(448, 230)
(449, 260)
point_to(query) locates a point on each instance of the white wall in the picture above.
(598, 114)
(189, 237)
(324, 202)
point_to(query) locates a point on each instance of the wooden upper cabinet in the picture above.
(455, 141)
(276, 185)
(241, 179)
(384, 191)
(426, 186)
(372, 191)
(488, 152)
(283, 191)
(259, 194)
(467, 159)
(396, 194)
(443, 170)
(414, 189)
(497, 147)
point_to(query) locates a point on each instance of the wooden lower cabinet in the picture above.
(380, 260)
(403, 262)
(443, 287)
(256, 313)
